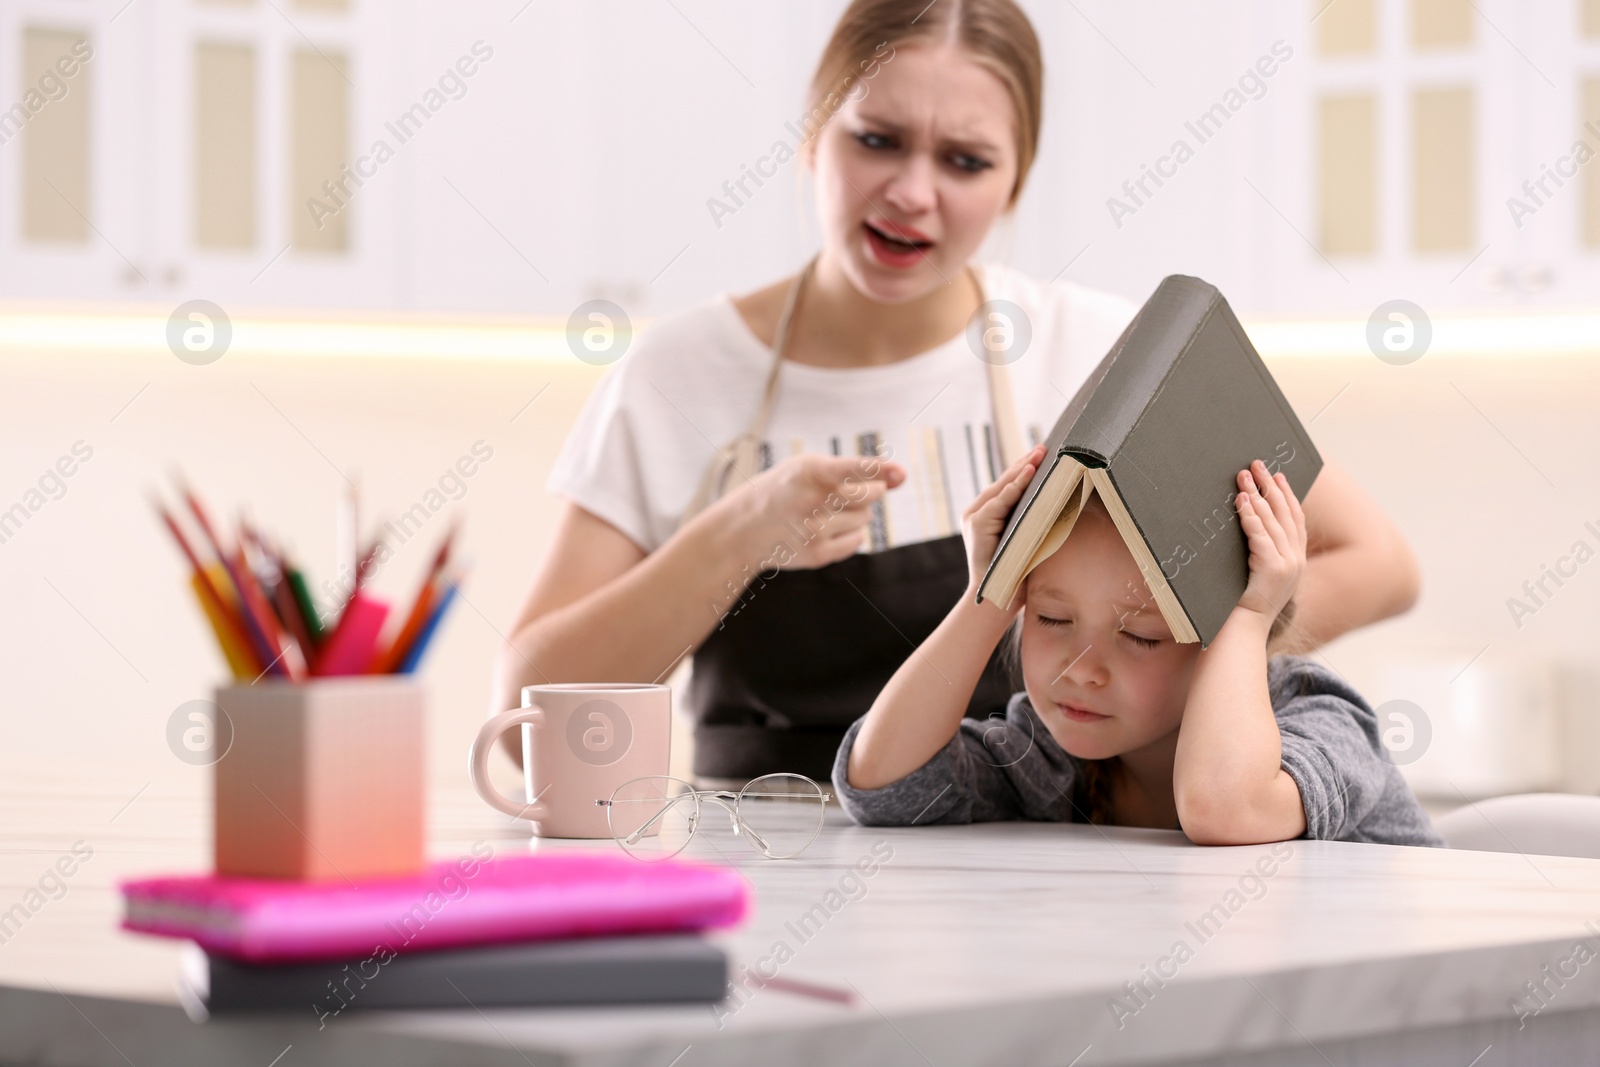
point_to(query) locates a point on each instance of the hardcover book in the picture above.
(663, 969)
(550, 895)
(1159, 431)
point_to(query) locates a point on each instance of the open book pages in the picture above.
(1178, 406)
(1183, 630)
(1075, 482)
(1020, 553)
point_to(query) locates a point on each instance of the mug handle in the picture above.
(478, 763)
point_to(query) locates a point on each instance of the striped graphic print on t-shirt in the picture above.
(946, 467)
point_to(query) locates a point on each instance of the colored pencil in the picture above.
(288, 655)
(257, 627)
(364, 563)
(347, 531)
(279, 595)
(308, 607)
(414, 654)
(259, 605)
(240, 662)
(421, 606)
(391, 656)
(207, 588)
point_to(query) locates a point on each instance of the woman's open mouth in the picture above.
(896, 247)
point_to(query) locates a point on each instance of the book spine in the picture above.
(1165, 328)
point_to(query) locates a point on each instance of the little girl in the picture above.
(1118, 722)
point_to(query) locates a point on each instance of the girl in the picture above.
(701, 481)
(1118, 722)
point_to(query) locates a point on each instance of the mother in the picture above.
(772, 482)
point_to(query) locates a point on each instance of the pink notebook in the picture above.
(548, 895)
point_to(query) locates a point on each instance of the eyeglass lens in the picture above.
(782, 813)
(653, 818)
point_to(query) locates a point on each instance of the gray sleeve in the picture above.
(1002, 767)
(1331, 748)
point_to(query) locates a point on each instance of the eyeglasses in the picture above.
(653, 818)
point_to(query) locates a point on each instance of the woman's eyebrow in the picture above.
(975, 143)
(879, 121)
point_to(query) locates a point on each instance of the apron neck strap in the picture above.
(745, 449)
(780, 341)
(1003, 402)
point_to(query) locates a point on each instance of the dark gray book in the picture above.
(1159, 431)
(669, 968)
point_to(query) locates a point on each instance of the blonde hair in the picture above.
(996, 33)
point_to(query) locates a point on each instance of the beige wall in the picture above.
(94, 592)
(74, 682)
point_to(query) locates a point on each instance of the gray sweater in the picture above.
(1011, 767)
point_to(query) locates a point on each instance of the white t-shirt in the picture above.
(693, 382)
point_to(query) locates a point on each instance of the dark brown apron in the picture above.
(803, 654)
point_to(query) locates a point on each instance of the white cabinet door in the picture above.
(180, 159)
(1548, 203)
(1456, 127)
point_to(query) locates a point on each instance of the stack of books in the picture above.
(558, 927)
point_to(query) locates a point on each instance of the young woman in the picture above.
(774, 482)
(1119, 723)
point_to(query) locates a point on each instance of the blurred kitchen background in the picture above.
(398, 205)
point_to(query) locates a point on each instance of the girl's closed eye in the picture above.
(1142, 642)
(1046, 620)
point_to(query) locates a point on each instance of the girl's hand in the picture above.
(1275, 528)
(985, 518)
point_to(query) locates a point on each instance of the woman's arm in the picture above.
(587, 574)
(1227, 777)
(921, 708)
(1359, 569)
(603, 610)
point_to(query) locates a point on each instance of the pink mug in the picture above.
(579, 742)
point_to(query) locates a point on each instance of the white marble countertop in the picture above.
(999, 943)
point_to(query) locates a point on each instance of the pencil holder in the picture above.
(323, 780)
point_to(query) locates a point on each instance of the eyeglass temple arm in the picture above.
(722, 797)
(695, 794)
(760, 841)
